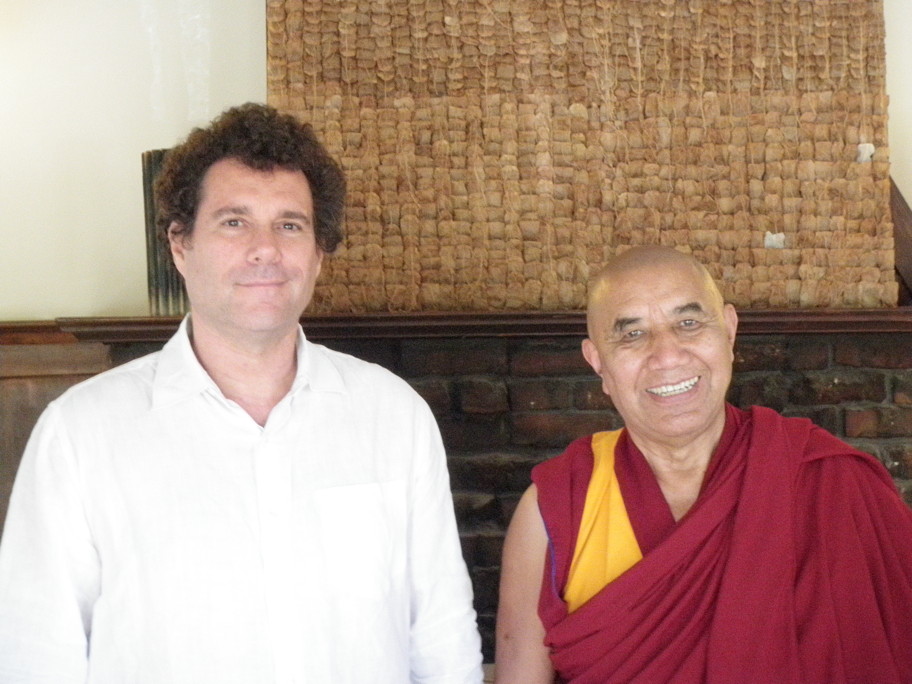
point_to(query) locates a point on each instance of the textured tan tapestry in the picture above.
(498, 151)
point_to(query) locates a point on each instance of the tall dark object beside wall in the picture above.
(166, 288)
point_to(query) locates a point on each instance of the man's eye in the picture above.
(633, 334)
(291, 227)
(233, 223)
(689, 323)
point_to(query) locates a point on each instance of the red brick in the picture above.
(474, 509)
(484, 586)
(509, 503)
(809, 353)
(454, 357)
(905, 490)
(468, 542)
(476, 432)
(498, 472)
(759, 354)
(898, 459)
(482, 395)
(489, 549)
(541, 394)
(436, 392)
(486, 622)
(826, 417)
(862, 423)
(382, 352)
(482, 549)
(588, 395)
(762, 389)
(875, 351)
(902, 389)
(553, 393)
(558, 429)
(549, 359)
(878, 421)
(838, 387)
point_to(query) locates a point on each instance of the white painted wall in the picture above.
(87, 85)
(898, 19)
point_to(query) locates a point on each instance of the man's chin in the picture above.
(265, 323)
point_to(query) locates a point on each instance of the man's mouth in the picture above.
(262, 282)
(677, 388)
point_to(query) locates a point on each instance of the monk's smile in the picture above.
(675, 389)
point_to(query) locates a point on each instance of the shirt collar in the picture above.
(316, 368)
(179, 374)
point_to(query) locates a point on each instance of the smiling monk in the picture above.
(700, 543)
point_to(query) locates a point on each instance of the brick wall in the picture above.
(504, 404)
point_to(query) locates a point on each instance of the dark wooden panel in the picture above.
(31, 376)
(33, 332)
(21, 361)
(21, 402)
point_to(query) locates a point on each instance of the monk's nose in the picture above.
(666, 349)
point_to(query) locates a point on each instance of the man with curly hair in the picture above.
(244, 505)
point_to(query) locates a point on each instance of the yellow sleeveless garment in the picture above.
(606, 546)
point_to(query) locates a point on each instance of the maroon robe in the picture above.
(794, 566)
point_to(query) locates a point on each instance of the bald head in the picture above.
(662, 340)
(637, 261)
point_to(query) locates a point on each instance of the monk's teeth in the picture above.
(671, 390)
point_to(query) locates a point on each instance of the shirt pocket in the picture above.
(362, 537)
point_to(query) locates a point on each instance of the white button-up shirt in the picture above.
(157, 534)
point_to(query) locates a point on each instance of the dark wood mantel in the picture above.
(430, 325)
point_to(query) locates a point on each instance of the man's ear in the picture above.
(590, 353)
(321, 255)
(177, 241)
(731, 322)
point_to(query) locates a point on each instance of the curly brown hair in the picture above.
(264, 139)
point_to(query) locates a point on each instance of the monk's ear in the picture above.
(590, 353)
(730, 317)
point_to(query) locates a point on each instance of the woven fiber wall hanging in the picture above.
(498, 151)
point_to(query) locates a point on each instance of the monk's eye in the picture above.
(631, 335)
(689, 324)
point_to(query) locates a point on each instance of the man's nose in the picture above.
(264, 246)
